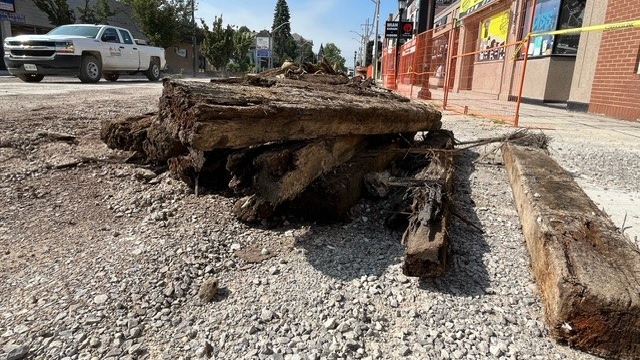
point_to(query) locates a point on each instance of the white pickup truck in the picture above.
(87, 51)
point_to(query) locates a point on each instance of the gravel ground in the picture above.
(103, 259)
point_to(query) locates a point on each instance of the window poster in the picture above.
(545, 19)
(571, 16)
(493, 36)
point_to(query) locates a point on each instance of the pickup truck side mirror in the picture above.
(140, 42)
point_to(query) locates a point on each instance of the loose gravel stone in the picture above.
(15, 352)
(208, 290)
(100, 299)
(111, 260)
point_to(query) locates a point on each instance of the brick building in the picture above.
(596, 71)
(616, 79)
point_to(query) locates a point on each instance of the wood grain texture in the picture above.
(587, 272)
(207, 116)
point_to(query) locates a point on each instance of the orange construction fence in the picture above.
(435, 66)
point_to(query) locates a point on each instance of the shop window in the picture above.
(554, 15)
(493, 36)
(571, 16)
(439, 54)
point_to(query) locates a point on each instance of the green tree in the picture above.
(87, 13)
(283, 43)
(165, 22)
(369, 54)
(332, 53)
(218, 46)
(242, 41)
(98, 14)
(305, 51)
(104, 11)
(57, 11)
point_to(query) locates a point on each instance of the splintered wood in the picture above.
(426, 237)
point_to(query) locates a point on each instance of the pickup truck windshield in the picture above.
(87, 31)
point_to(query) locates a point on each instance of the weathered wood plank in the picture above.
(332, 195)
(283, 173)
(426, 237)
(127, 133)
(207, 116)
(587, 273)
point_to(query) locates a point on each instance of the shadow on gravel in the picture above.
(222, 294)
(466, 274)
(363, 247)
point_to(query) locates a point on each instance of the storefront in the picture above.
(491, 29)
(486, 28)
(552, 58)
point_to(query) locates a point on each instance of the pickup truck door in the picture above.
(111, 49)
(130, 51)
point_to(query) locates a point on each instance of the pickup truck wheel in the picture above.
(153, 73)
(111, 77)
(31, 77)
(90, 70)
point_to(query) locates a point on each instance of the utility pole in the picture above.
(365, 43)
(402, 5)
(376, 18)
(193, 39)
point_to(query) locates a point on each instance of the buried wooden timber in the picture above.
(332, 195)
(144, 134)
(207, 116)
(426, 237)
(587, 272)
(283, 172)
(126, 133)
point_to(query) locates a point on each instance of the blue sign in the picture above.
(263, 53)
(7, 5)
(13, 17)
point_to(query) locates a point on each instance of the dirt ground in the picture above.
(50, 186)
(75, 219)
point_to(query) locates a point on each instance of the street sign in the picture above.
(263, 46)
(8, 5)
(391, 29)
(263, 53)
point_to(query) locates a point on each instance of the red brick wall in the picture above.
(616, 84)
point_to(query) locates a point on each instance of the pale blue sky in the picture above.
(322, 21)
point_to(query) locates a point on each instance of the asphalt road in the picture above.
(10, 85)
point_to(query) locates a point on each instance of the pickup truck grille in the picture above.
(16, 52)
(33, 43)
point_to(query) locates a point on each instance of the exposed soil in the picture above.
(100, 258)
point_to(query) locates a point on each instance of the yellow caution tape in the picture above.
(602, 27)
(520, 45)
